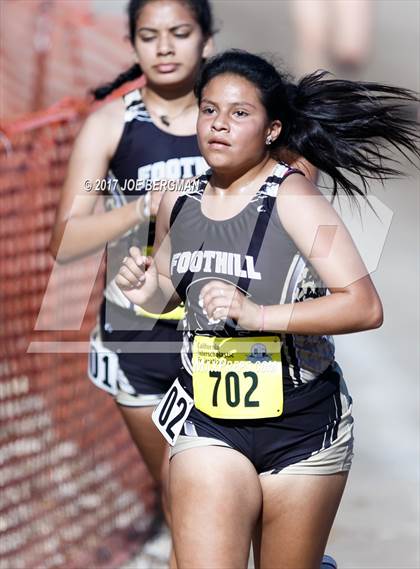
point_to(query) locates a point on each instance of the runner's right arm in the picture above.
(145, 281)
(78, 229)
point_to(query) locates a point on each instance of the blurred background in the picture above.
(74, 492)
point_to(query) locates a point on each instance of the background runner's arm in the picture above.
(145, 281)
(162, 250)
(78, 230)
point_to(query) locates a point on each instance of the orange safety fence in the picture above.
(51, 49)
(74, 492)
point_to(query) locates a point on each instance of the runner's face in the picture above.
(232, 124)
(169, 43)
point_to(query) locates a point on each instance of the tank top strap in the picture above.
(135, 107)
(197, 194)
(272, 183)
(256, 242)
(202, 183)
(177, 208)
(268, 190)
(132, 98)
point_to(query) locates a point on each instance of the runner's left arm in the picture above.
(322, 238)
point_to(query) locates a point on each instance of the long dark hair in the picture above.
(335, 124)
(202, 13)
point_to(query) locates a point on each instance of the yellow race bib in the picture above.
(238, 378)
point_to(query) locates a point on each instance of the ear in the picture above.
(274, 130)
(208, 48)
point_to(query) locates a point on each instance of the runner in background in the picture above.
(332, 35)
(149, 134)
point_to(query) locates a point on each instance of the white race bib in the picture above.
(103, 364)
(172, 411)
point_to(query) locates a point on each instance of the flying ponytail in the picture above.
(338, 126)
(346, 125)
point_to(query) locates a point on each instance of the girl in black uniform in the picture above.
(147, 135)
(260, 417)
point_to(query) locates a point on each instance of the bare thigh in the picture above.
(311, 26)
(149, 441)
(215, 501)
(297, 516)
(352, 31)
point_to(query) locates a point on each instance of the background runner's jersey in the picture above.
(144, 153)
(253, 251)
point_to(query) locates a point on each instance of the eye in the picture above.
(241, 114)
(207, 110)
(147, 38)
(182, 31)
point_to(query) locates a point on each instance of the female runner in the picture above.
(268, 273)
(147, 135)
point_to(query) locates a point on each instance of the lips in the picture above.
(166, 67)
(218, 143)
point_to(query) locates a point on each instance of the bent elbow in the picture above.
(53, 250)
(374, 316)
(379, 318)
(57, 253)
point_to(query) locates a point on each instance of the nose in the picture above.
(220, 123)
(165, 45)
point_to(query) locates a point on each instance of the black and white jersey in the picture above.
(252, 251)
(144, 152)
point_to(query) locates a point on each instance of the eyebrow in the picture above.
(236, 103)
(173, 29)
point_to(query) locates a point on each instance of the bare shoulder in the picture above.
(108, 116)
(302, 209)
(109, 112)
(295, 184)
(300, 203)
(170, 197)
(95, 145)
(103, 128)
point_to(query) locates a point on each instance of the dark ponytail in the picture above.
(104, 90)
(202, 13)
(335, 124)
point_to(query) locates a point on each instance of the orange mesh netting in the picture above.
(73, 491)
(54, 49)
(69, 474)
(70, 477)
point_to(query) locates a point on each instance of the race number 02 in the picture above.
(172, 411)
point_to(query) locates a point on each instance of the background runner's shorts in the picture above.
(141, 373)
(315, 440)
